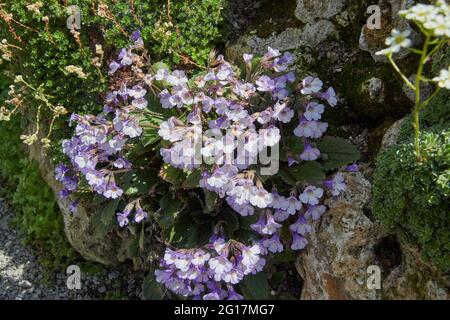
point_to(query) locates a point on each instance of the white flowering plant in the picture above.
(433, 20)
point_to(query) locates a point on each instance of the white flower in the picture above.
(250, 256)
(161, 74)
(420, 12)
(233, 277)
(385, 52)
(440, 26)
(398, 40)
(217, 180)
(270, 136)
(137, 92)
(443, 79)
(260, 197)
(220, 265)
(182, 264)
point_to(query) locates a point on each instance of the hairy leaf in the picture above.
(338, 152)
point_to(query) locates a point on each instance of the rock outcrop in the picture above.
(372, 38)
(78, 226)
(349, 246)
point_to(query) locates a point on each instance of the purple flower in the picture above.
(315, 212)
(314, 111)
(265, 84)
(270, 136)
(291, 161)
(283, 113)
(122, 163)
(63, 194)
(292, 205)
(330, 96)
(233, 295)
(112, 191)
(126, 57)
(301, 226)
(273, 244)
(270, 226)
(309, 153)
(259, 225)
(73, 206)
(336, 185)
(140, 215)
(310, 129)
(298, 242)
(221, 266)
(137, 92)
(352, 168)
(136, 35)
(311, 85)
(271, 53)
(282, 63)
(164, 98)
(60, 171)
(95, 178)
(265, 116)
(122, 219)
(161, 74)
(177, 78)
(281, 215)
(311, 195)
(211, 296)
(113, 66)
(70, 183)
(250, 255)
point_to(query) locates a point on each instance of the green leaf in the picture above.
(337, 152)
(185, 233)
(231, 222)
(169, 211)
(140, 182)
(210, 201)
(160, 65)
(151, 289)
(103, 220)
(192, 180)
(309, 172)
(172, 175)
(291, 146)
(255, 287)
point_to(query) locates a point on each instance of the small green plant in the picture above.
(413, 198)
(432, 21)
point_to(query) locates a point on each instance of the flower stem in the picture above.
(418, 103)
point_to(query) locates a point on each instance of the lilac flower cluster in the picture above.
(96, 151)
(209, 273)
(251, 113)
(219, 101)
